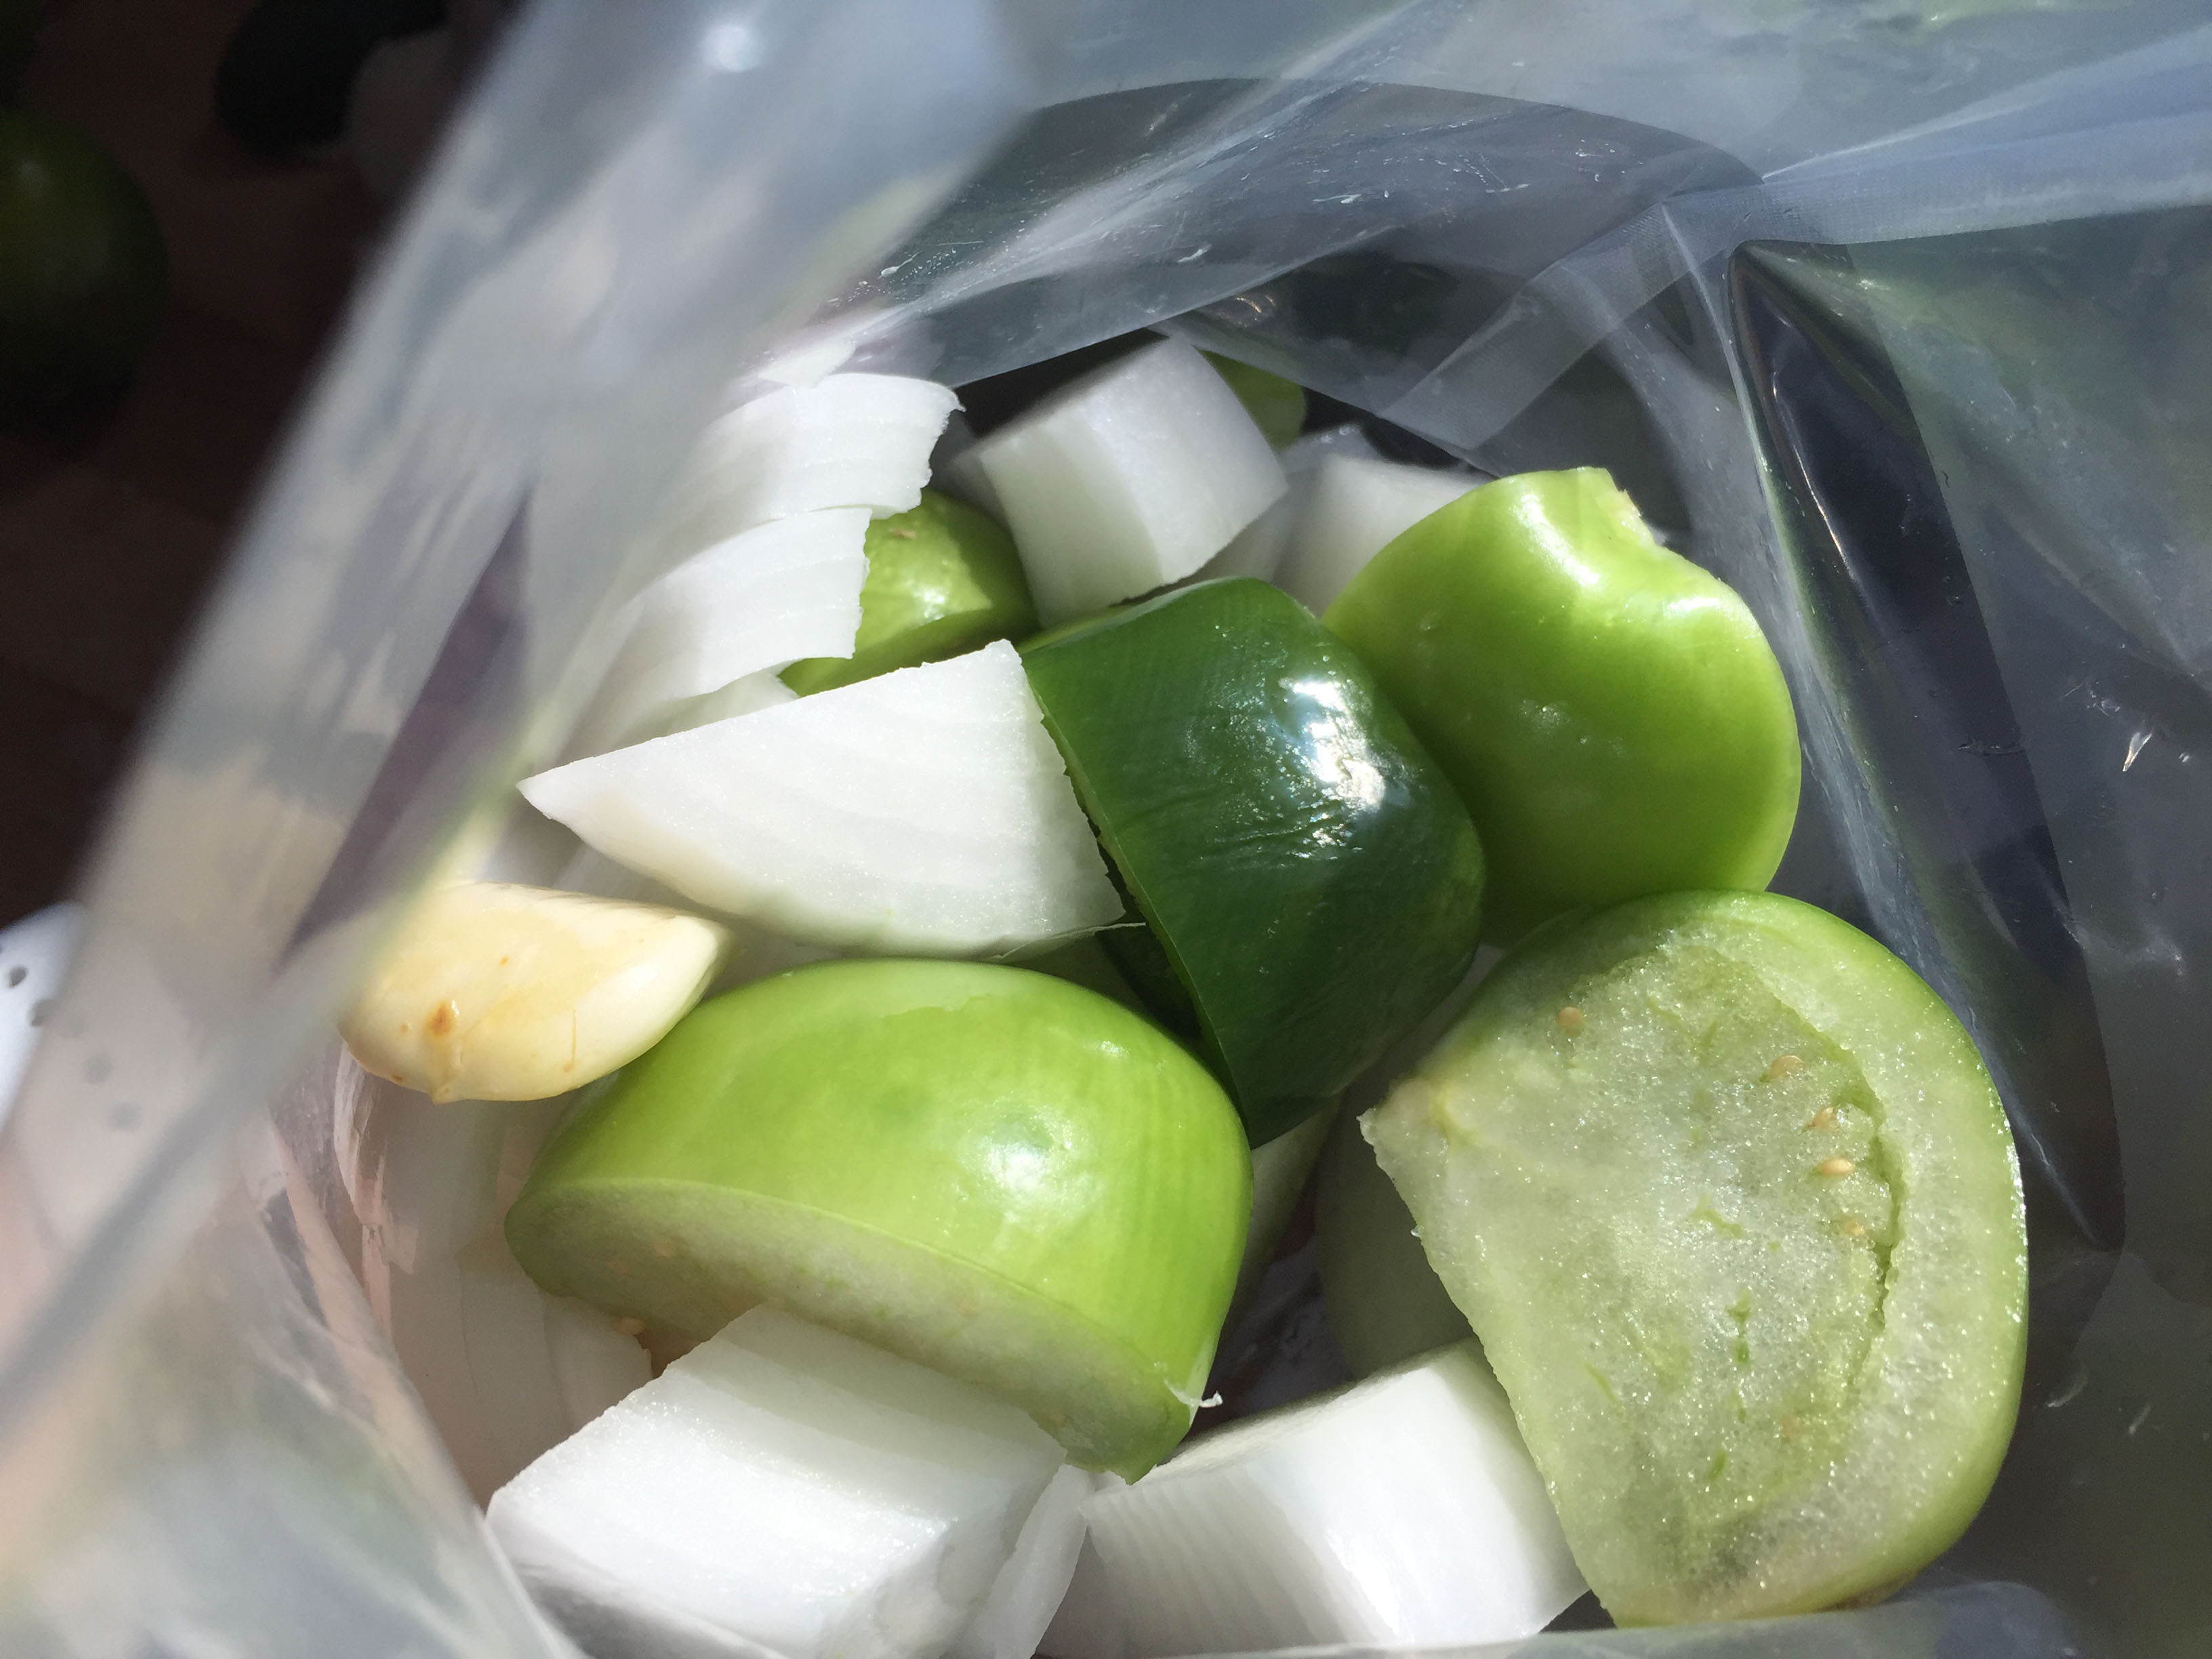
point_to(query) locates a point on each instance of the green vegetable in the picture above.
(943, 580)
(1612, 714)
(1731, 1201)
(990, 1171)
(1276, 405)
(1310, 877)
(1385, 1304)
(83, 268)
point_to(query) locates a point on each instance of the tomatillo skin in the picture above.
(943, 580)
(1308, 869)
(997, 1174)
(1612, 714)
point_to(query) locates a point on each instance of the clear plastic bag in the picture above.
(1894, 314)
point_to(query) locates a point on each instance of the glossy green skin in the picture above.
(993, 1172)
(1313, 878)
(1277, 406)
(1612, 714)
(943, 580)
(83, 268)
(1761, 1319)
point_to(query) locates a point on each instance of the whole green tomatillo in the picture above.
(1612, 714)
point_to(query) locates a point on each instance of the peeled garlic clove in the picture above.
(503, 992)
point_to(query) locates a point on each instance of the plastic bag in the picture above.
(1786, 267)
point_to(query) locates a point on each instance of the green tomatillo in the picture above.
(1277, 406)
(943, 580)
(1311, 880)
(83, 271)
(1612, 714)
(992, 1172)
(1729, 1196)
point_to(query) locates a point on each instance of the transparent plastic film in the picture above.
(1892, 314)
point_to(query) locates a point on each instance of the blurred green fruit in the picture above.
(83, 268)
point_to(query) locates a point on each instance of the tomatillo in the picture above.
(1728, 1194)
(943, 580)
(994, 1173)
(1306, 869)
(1612, 714)
(83, 271)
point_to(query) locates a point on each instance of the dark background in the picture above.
(112, 527)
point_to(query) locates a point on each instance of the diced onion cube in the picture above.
(1353, 509)
(780, 1484)
(1403, 1511)
(1127, 480)
(924, 812)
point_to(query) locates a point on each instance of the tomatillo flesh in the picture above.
(1728, 1194)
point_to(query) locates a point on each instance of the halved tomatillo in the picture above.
(996, 1174)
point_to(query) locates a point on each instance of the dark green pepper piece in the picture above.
(1311, 875)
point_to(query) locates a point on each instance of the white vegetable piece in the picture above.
(1127, 479)
(1403, 1510)
(505, 1370)
(1028, 1588)
(494, 991)
(1356, 508)
(1087, 1625)
(764, 597)
(780, 1484)
(1260, 546)
(848, 441)
(749, 696)
(755, 952)
(924, 812)
(953, 470)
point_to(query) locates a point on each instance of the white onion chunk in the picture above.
(784, 1485)
(924, 812)
(1353, 509)
(1127, 480)
(1403, 1510)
